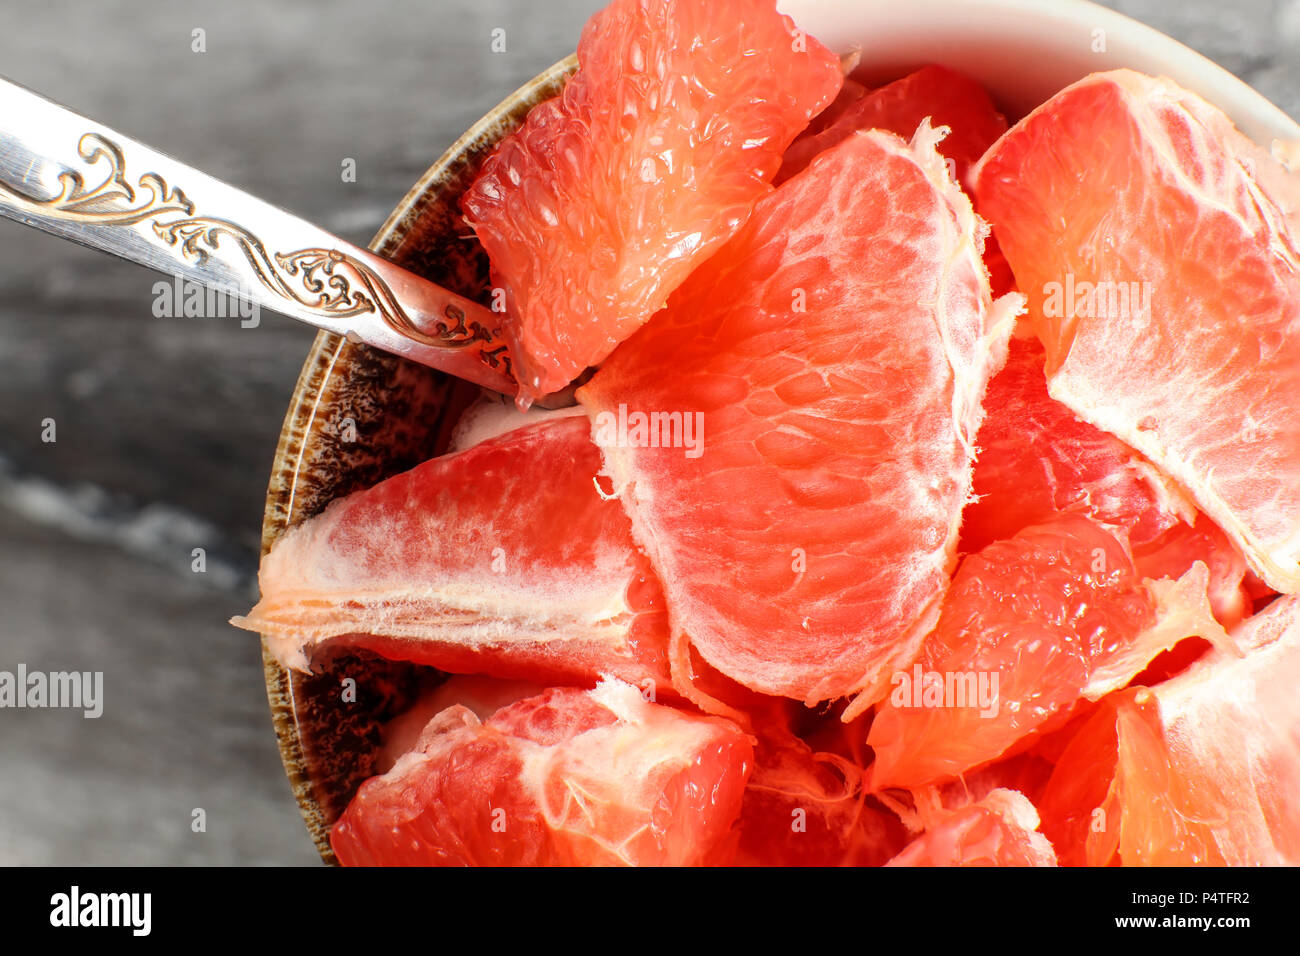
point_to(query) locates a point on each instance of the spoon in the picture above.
(77, 179)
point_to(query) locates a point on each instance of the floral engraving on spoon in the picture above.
(327, 282)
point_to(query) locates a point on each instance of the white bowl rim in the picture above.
(1046, 41)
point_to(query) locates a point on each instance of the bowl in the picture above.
(358, 416)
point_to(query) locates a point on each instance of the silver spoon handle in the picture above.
(67, 175)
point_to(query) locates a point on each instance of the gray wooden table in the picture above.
(165, 427)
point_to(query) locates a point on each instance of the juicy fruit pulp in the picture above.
(945, 97)
(1201, 769)
(567, 778)
(1038, 460)
(1132, 216)
(501, 559)
(1230, 764)
(1030, 625)
(834, 354)
(1000, 830)
(650, 159)
(482, 696)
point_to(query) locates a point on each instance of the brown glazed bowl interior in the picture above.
(358, 416)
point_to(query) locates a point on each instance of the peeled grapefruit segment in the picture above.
(1078, 808)
(503, 559)
(1229, 731)
(948, 98)
(483, 696)
(1038, 459)
(567, 778)
(831, 361)
(1164, 282)
(1031, 625)
(1199, 770)
(650, 159)
(999, 830)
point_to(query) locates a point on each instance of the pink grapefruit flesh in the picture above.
(946, 97)
(568, 778)
(502, 559)
(999, 830)
(1164, 282)
(1037, 460)
(1031, 625)
(649, 160)
(832, 359)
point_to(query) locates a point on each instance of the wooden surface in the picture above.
(166, 427)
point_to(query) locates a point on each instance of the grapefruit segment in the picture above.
(1132, 215)
(1078, 809)
(1198, 770)
(831, 359)
(1031, 625)
(503, 559)
(567, 778)
(610, 194)
(1037, 460)
(999, 830)
(482, 696)
(1209, 775)
(947, 99)
(945, 96)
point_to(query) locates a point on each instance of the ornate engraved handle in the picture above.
(268, 255)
